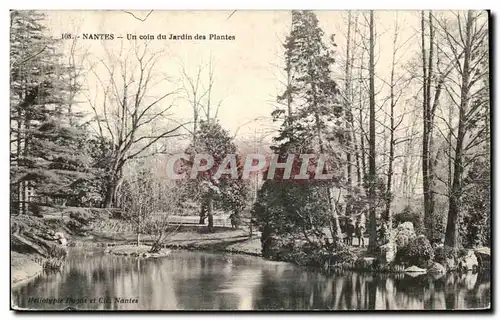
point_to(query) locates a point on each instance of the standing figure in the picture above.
(234, 220)
(348, 228)
(360, 229)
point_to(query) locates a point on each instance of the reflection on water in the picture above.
(193, 280)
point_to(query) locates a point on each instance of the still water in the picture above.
(205, 281)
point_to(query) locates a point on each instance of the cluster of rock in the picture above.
(401, 236)
(398, 238)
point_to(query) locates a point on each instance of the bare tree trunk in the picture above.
(427, 167)
(26, 147)
(361, 124)
(348, 107)
(451, 237)
(19, 186)
(372, 168)
(358, 164)
(124, 113)
(203, 211)
(392, 128)
(450, 149)
(111, 191)
(210, 213)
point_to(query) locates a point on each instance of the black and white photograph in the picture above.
(257, 160)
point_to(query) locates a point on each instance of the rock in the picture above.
(450, 264)
(403, 234)
(469, 261)
(146, 255)
(469, 279)
(437, 268)
(483, 256)
(437, 276)
(60, 237)
(63, 241)
(397, 239)
(387, 252)
(415, 269)
(483, 250)
(406, 226)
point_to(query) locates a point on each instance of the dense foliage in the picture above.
(410, 215)
(48, 159)
(226, 192)
(418, 252)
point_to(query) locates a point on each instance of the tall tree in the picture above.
(429, 105)
(348, 101)
(128, 109)
(227, 191)
(469, 51)
(314, 126)
(46, 144)
(316, 117)
(396, 90)
(198, 92)
(372, 175)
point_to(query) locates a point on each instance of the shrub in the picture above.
(312, 254)
(35, 209)
(437, 225)
(444, 252)
(57, 252)
(418, 252)
(52, 264)
(82, 215)
(403, 234)
(343, 258)
(56, 255)
(409, 215)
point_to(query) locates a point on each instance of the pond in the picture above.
(206, 281)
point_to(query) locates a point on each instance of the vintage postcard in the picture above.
(250, 160)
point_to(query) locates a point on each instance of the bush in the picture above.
(418, 252)
(342, 258)
(403, 234)
(291, 251)
(52, 264)
(437, 224)
(57, 252)
(312, 254)
(35, 209)
(56, 255)
(409, 215)
(441, 254)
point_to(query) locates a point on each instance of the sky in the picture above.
(248, 70)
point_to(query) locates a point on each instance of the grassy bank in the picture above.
(40, 241)
(23, 268)
(185, 237)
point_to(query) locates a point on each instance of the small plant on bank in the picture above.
(418, 252)
(52, 264)
(441, 254)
